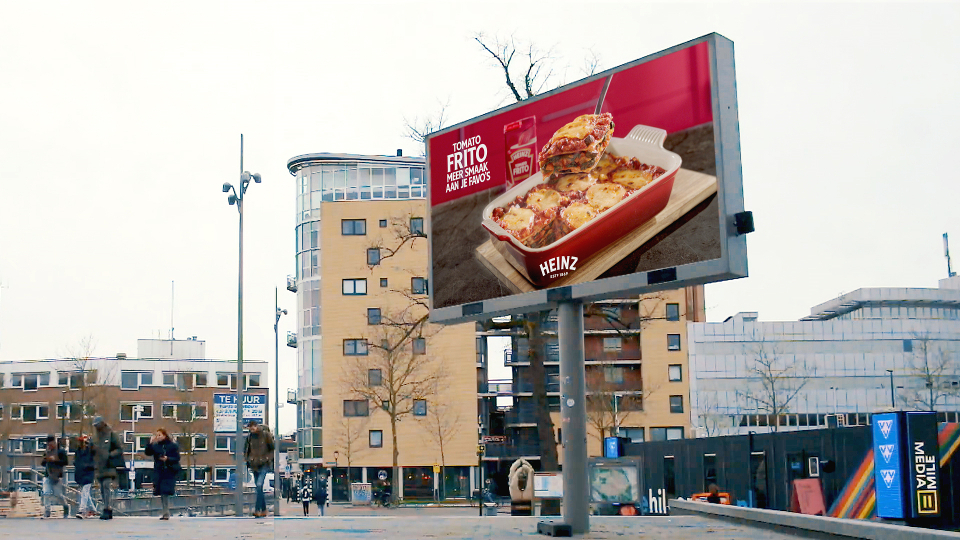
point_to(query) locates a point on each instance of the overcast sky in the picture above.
(119, 121)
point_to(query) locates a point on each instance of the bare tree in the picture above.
(525, 75)
(417, 129)
(391, 369)
(774, 383)
(88, 380)
(709, 417)
(187, 415)
(348, 437)
(6, 429)
(442, 422)
(931, 373)
(403, 235)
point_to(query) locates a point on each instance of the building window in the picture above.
(133, 380)
(612, 344)
(418, 285)
(373, 315)
(374, 377)
(907, 345)
(635, 434)
(30, 381)
(354, 287)
(126, 411)
(353, 227)
(676, 404)
(70, 411)
(416, 226)
(227, 379)
(184, 412)
(376, 438)
(419, 407)
(666, 433)
(32, 412)
(224, 443)
(673, 342)
(383, 224)
(222, 474)
(354, 347)
(73, 379)
(373, 256)
(613, 375)
(675, 372)
(356, 407)
(383, 282)
(253, 380)
(673, 312)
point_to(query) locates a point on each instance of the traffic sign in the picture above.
(382, 475)
(436, 468)
(493, 439)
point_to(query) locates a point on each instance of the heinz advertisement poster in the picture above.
(607, 177)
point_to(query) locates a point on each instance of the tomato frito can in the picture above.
(520, 142)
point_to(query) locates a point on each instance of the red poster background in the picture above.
(671, 92)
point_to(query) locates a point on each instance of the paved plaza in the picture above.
(402, 524)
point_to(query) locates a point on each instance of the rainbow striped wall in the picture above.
(858, 500)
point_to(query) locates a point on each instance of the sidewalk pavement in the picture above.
(414, 524)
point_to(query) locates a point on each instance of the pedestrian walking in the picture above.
(306, 494)
(166, 467)
(258, 452)
(322, 494)
(83, 472)
(54, 461)
(107, 458)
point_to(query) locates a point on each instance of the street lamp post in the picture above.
(893, 395)
(236, 198)
(276, 402)
(137, 409)
(63, 416)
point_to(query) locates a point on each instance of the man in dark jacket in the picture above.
(258, 451)
(54, 461)
(107, 457)
(83, 468)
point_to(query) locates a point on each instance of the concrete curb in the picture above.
(817, 525)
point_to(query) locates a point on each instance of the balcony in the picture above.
(292, 339)
(511, 450)
(496, 388)
(521, 416)
(291, 284)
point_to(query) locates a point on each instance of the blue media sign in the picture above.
(888, 473)
(611, 447)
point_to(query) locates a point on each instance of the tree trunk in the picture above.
(549, 460)
(396, 457)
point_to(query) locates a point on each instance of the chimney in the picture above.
(399, 152)
(121, 356)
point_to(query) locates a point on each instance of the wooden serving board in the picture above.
(690, 188)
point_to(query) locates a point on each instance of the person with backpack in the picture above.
(258, 451)
(166, 468)
(83, 471)
(322, 494)
(306, 494)
(107, 458)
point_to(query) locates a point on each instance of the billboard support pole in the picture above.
(573, 416)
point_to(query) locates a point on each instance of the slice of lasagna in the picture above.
(576, 215)
(544, 199)
(577, 146)
(574, 182)
(605, 195)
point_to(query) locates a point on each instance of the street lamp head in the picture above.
(227, 186)
(256, 177)
(232, 199)
(283, 311)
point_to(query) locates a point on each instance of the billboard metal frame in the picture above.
(732, 263)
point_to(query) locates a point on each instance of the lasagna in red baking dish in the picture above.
(551, 210)
(577, 146)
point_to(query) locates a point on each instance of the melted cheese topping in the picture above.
(578, 129)
(632, 179)
(603, 196)
(575, 182)
(606, 165)
(517, 219)
(544, 199)
(577, 214)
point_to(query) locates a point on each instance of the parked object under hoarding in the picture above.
(623, 198)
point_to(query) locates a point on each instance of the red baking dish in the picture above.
(545, 265)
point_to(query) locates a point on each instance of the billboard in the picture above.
(923, 458)
(624, 182)
(225, 411)
(887, 469)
